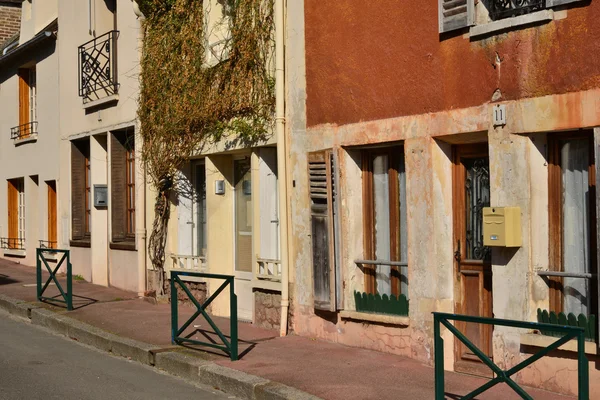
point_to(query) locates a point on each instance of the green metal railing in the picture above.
(229, 346)
(67, 297)
(569, 332)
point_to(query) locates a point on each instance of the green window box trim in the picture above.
(379, 304)
(583, 321)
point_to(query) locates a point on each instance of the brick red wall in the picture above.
(368, 60)
(10, 20)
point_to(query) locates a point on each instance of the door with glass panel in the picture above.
(572, 223)
(199, 215)
(472, 260)
(242, 176)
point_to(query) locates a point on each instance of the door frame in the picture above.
(470, 364)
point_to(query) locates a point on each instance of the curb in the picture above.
(181, 364)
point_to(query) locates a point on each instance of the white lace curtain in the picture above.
(576, 216)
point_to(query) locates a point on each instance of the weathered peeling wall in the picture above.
(385, 60)
(518, 177)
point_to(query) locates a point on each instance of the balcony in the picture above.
(98, 68)
(13, 246)
(48, 244)
(511, 8)
(24, 132)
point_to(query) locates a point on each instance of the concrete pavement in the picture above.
(138, 329)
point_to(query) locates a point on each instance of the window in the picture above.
(200, 210)
(81, 199)
(458, 14)
(122, 161)
(16, 215)
(384, 213)
(218, 31)
(572, 216)
(27, 105)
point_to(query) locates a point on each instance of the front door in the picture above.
(52, 234)
(242, 177)
(471, 192)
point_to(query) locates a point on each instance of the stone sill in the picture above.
(509, 23)
(266, 284)
(15, 253)
(537, 340)
(381, 318)
(99, 102)
(195, 279)
(29, 139)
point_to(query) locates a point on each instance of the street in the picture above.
(36, 364)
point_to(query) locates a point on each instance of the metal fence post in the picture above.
(438, 359)
(233, 321)
(69, 282)
(174, 311)
(583, 367)
(38, 272)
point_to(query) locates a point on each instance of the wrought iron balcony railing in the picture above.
(98, 67)
(511, 8)
(24, 131)
(12, 243)
(48, 244)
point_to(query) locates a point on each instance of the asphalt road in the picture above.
(36, 364)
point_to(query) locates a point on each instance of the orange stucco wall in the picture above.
(382, 58)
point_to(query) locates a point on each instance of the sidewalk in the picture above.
(327, 370)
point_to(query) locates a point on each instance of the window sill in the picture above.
(125, 245)
(380, 318)
(113, 98)
(266, 284)
(538, 340)
(29, 139)
(15, 253)
(509, 23)
(80, 243)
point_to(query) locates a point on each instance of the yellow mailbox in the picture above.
(502, 226)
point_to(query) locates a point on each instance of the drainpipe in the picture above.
(281, 160)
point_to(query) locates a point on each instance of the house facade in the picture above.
(70, 160)
(226, 216)
(406, 123)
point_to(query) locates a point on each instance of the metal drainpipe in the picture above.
(281, 160)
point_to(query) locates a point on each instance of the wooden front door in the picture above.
(471, 192)
(52, 234)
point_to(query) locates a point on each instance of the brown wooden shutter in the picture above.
(323, 256)
(455, 14)
(118, 176)
(23, 96)
(78, 155)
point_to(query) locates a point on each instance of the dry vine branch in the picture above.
(186, 105)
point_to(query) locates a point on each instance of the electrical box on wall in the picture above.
(502, 226)
(220, 187)
(100, 196)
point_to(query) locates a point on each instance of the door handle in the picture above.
(457, 255)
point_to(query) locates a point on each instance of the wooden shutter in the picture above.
(23, 96)
(455, 14)
(118, 190)
(52, 234)
(321, 207)
(78, 190)
(554, 3)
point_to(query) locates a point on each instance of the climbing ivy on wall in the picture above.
(186, 105)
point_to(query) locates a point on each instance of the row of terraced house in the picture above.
(401, 130)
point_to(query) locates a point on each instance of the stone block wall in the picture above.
(267, 308)
(10, 20)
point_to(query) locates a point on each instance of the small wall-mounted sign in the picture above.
(100, 195)
(220, 187)
(499, 116)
